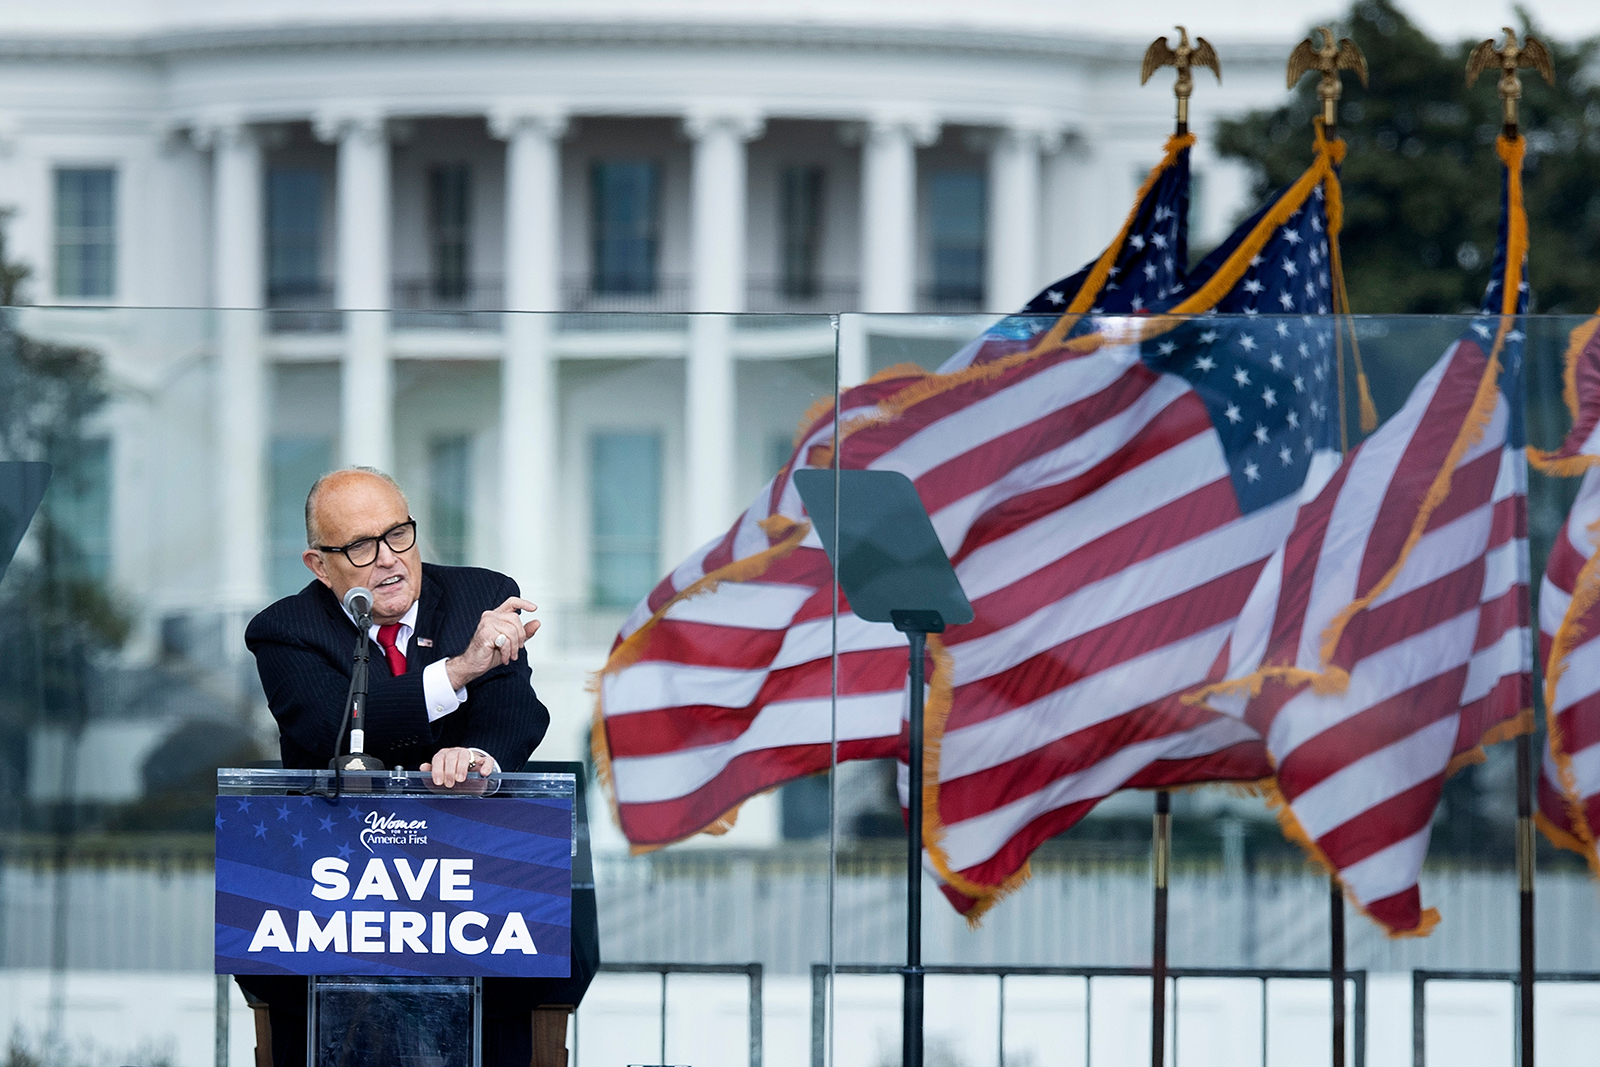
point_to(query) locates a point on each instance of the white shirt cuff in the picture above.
(441, 699)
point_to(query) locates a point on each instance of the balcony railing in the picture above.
(668, 295)
(305, 307)
(427, 303)
(778, 295)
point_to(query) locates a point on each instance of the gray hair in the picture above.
(313, 534)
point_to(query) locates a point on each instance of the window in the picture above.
(294, 234)
(802, 230)
(956, 226)
(627, 196)
(450, 219)
(780, 447)
(78, 505)
(449, 497)
(296, 464)
(625, 487)
(86, 233)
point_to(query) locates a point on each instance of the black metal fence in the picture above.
(1263, 975)
(1419, 1003)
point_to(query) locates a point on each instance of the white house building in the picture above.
(450, 174)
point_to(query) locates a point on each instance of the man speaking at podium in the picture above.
(448, 690)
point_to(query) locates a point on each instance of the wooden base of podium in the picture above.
(550, 1036)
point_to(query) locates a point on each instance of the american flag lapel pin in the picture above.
(424, 642)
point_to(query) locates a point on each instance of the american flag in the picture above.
(1387, 640)
(1569, 621)
(1142, 268)
(1108, 501)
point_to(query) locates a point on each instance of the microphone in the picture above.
(358, 602)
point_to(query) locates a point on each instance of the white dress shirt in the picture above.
(436, 691)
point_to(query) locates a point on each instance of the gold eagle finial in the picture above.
(1531, 54)
(1329, 60)
(1160, 54)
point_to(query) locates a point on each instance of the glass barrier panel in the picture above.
(1111, 492)
(587, 456)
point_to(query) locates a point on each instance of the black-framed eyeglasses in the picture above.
(364, 553)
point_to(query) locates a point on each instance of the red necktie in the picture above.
(386, 638)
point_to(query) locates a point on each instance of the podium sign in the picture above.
(390, 883)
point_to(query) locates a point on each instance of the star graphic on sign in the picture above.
(1261, 433)
(283, 812)
(1285, 456)
(1276, 361)
(244, 805)
(261, 829)
(355, 812)
(1252, 473)
(299, 840)
(1241, 376)
(326, 823)
(1055, 296)
(1269, 397)
(1204, 364)
(1232, 413)
(219, 822)
(1293, 419)
(1254, 285)
(345, 850)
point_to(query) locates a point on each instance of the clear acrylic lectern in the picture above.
(372, 872)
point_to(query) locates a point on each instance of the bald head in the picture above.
(340, 483)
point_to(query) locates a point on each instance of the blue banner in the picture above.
(394, 886)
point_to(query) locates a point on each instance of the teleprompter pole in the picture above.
(1525, 857)
(1336, 966)
(1158, 942)
(912, 1008)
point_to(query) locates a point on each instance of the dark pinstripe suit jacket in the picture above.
(303, 646)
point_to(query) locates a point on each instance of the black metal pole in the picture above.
(912, 1004)
(1336, 966)
(1158, 944)
(1525, 857)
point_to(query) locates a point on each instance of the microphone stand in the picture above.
(355, 711)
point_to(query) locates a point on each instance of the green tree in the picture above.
(1421, 179)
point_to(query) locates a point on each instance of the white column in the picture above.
(529, 411)
(362, 286)
(889, 212)
(717, 217)
(1015, 203)
(240, 405)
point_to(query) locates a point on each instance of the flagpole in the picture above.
(911, 1021)
(1327, 60)
(1183, 58)
(1525, 858)
(1158, 951)
(1529, 54)
(1336, 966)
